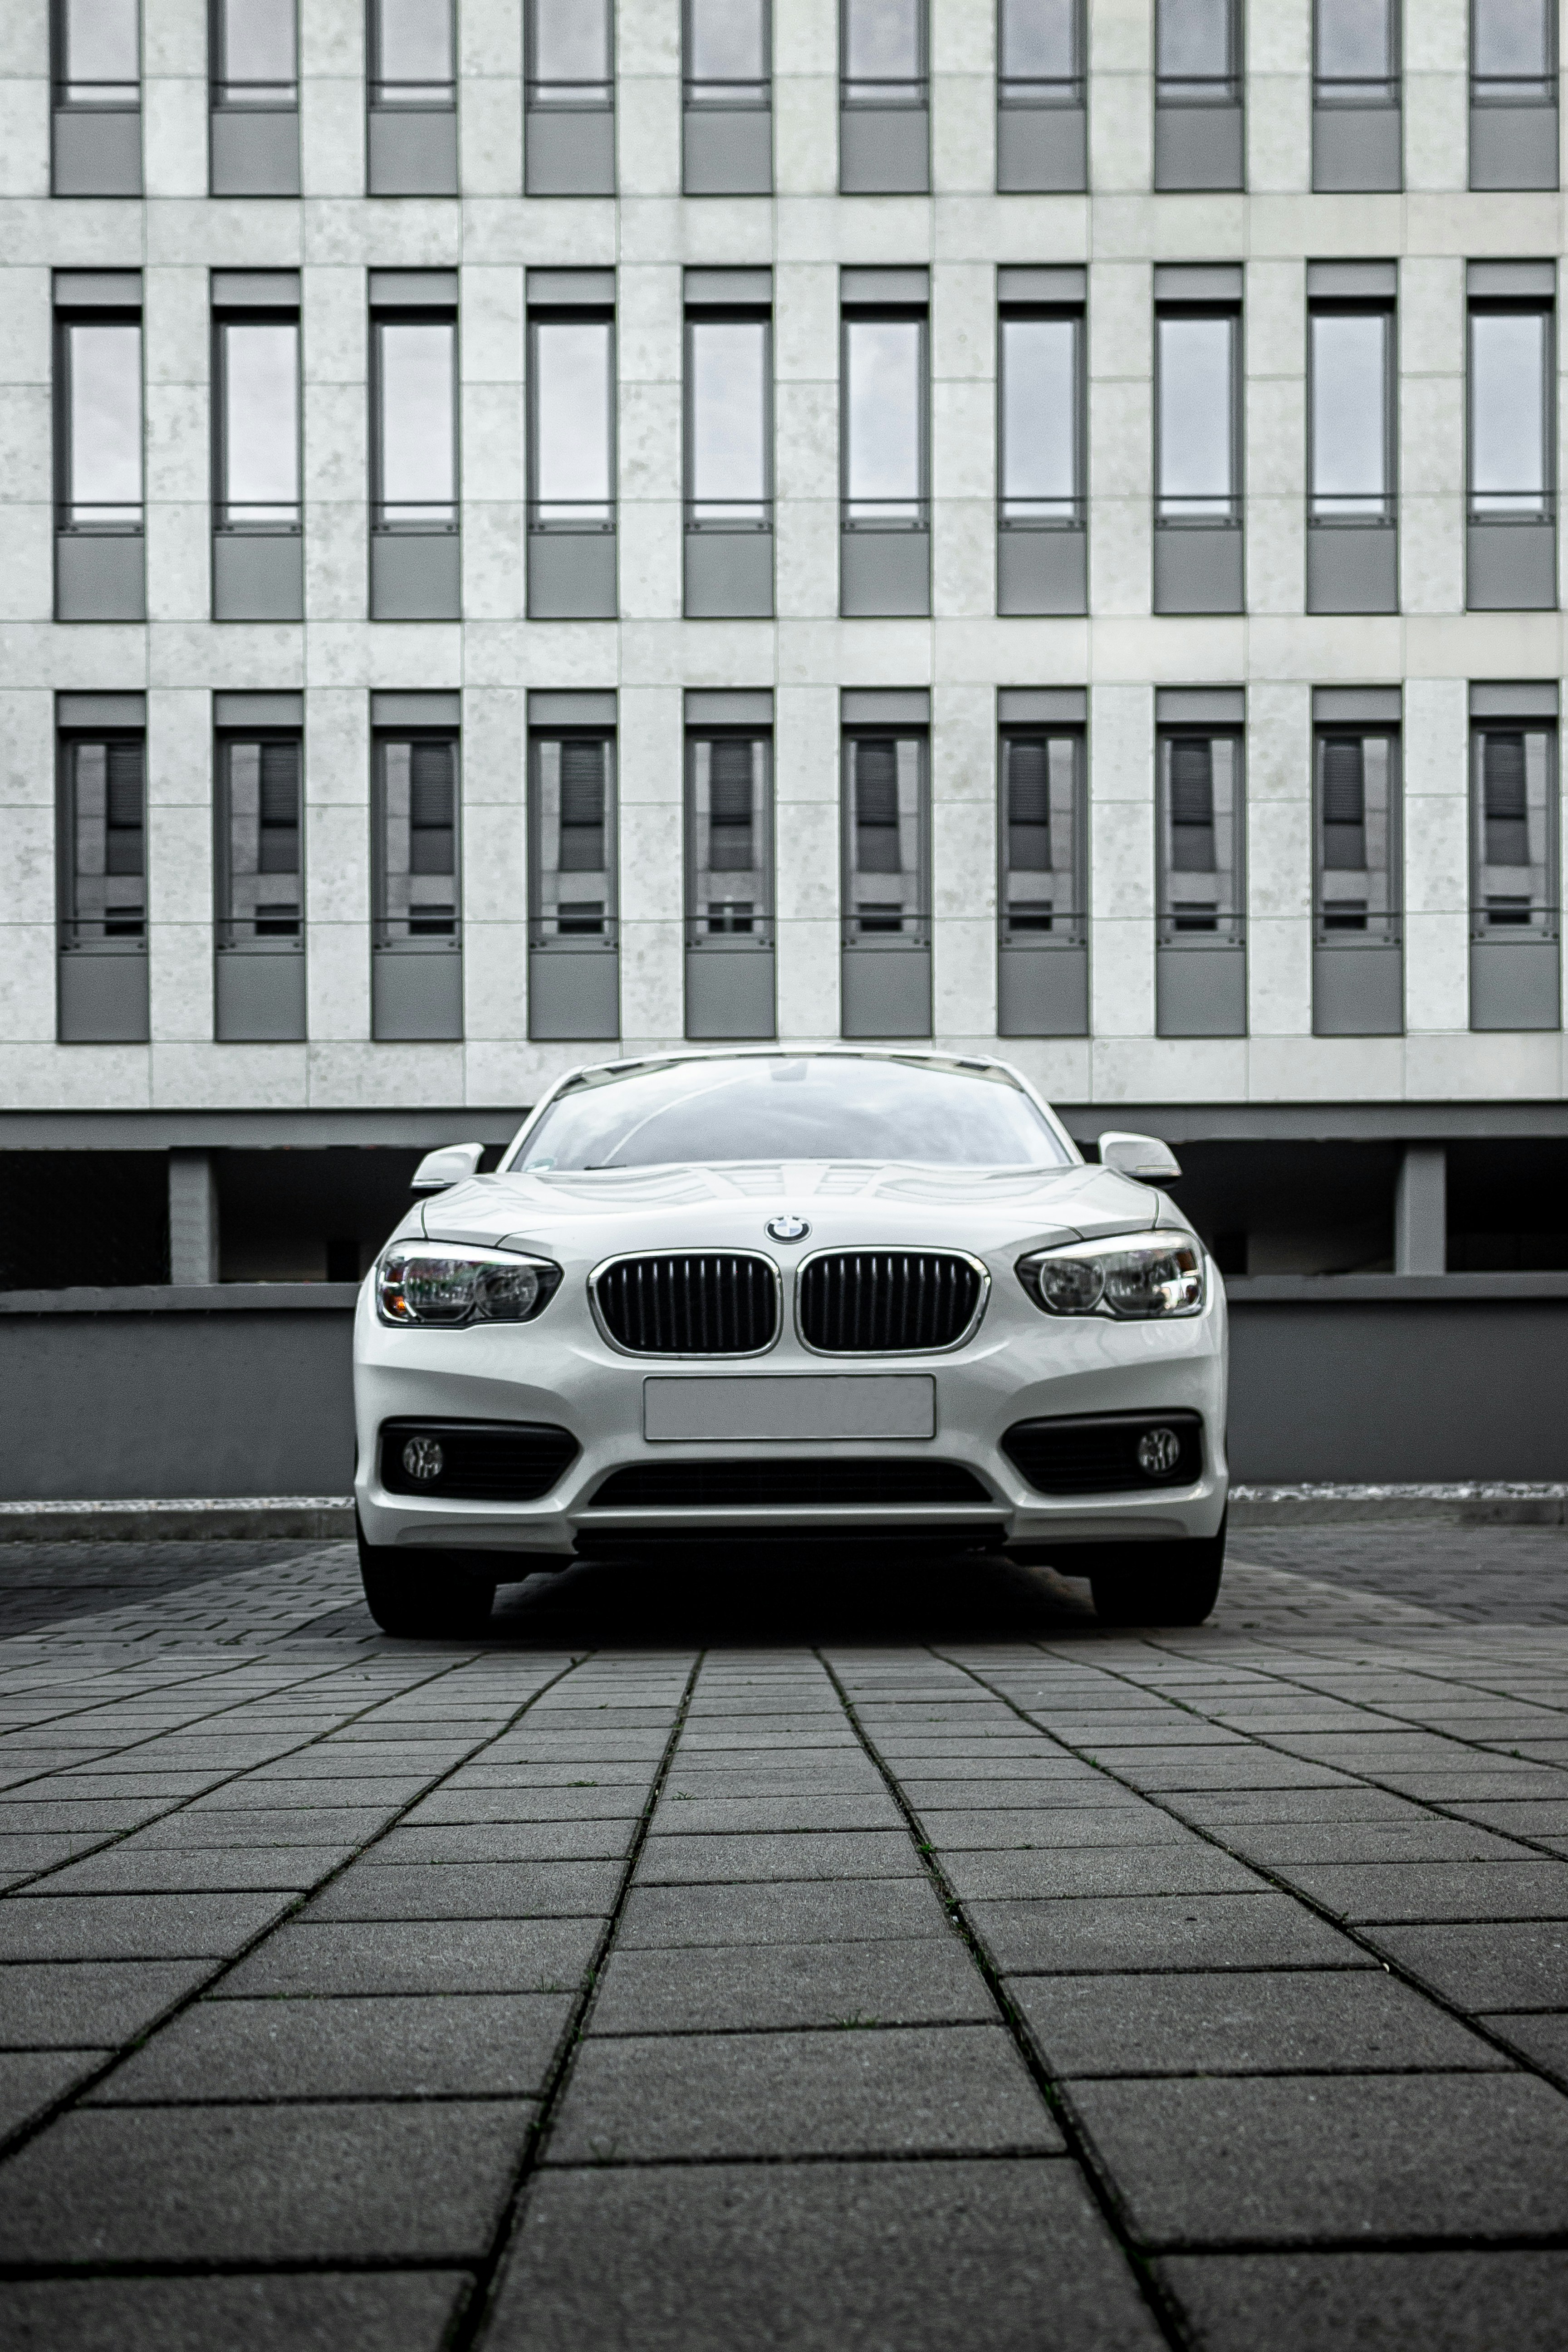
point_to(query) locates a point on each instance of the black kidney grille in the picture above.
(708, 1304)
(481, 1461)
(887, 1302)
(1097, 1454)
(788, 1483)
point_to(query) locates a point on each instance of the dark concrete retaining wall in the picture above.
(243, 1389)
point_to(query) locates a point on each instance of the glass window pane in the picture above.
(1355, 41)
(414, 49)
(418, 448)
(1040, 846)
(1039, 40)
(571, 41)
(727, 40)
(418, 861)
(571, 834)
(261, 422)
(1196, 422)
(1040, 419)
(1193, 40)
(1357, 838)
(1507, 411)
(1511, 37)
(1513, 832)
(573, 392)
(881, 46)
(103, 61)
(104, 892)
(729, 868)
(883, 469)
(728, 393)
(1200, 784)
(885, 824)
(259, 879)
(256, 48)
(104, 451)
(1350, 414)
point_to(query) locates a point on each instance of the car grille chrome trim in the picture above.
(802, 1483)
(888, 1302)
(688, 1303)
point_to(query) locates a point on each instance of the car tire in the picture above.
(1161, 1584)
(435, 1602)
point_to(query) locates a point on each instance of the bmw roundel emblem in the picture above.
(787, 1228)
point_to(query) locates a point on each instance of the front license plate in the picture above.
(790, 1405)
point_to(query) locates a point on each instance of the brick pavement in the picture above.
(884, 1964)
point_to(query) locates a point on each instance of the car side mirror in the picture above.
(1144, 1156)
(453, 1164)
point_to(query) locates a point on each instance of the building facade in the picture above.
(537, 531)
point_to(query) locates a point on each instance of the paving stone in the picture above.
(1291, 2158)
(1373, 2301)
(1005, 2256)
(765, 1816)
(1533, 1817)
(132, 1926)
(964, 1792)
(473, 2046)
(84, 2004)
(926, 1980)
(450, 1803)
(1507, 1965)
(502, 1841)
(1278, 1845)
(780, 1912)
(144, 1870)
(254, 1795)
(420, 1956)
(32, 2080)
(1050, 1828)
(718, 1859)
(1542, 2039)
(1186, 1868)
(197, 1828)
(1340, 2020)
(917, 2090)
(470, 1890)
(1218, 1809)
(405, 2312)
(424, 2181)
(49, 1812)
(1157, 1932)
(1244, 1768)
(1436, 1890)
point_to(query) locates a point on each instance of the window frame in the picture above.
(68, 920)
(1074, 932)
(376, 84)
(1386, 510)
(1384, 929)
(747, 97)
(553, 315)
(891, 313)
(1034, 91)
(1230, 928)
(1236, 499)
(555, 941)
(1514, 89)
(1332, 92)
(289, 525)
(902, 93)
(601, 95)
(917, 931)
(1203, 89)
(61, 101)
(1074, 314)
(220, 85)
(398, 315)
(67, 318)
(695, 317)
(1511, 306)
(383, 935)
(227, 930)
(1543, 923)
(762, 935)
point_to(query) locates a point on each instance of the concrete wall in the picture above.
(126, 1393)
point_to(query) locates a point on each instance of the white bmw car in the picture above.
(747, 1301)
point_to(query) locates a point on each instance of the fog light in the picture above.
(1159, 1450)
(423, 1459)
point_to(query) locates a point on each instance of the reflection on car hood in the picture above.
(848, 1204)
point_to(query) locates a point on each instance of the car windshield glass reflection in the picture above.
(792, 1108)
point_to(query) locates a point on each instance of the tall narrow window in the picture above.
(1356, 95)
(1514, 894)
(259, 894)
(1197, 454)
(416, 964)
(729, 444)
(1042, 896)
(1357, 962)
(413, 91)
(570, 96)
(258, 551)
(573, 967)
(1041, 520)
(1512, 479)
(413, 485)
(1513, 93)
(99, 515)
(729, 874)
(727, 89)
(1040, 124)
(1197, 94)
(885, 559)
(101, 865)
(884, 119)
(570, 446)
(886, 960)
(97, 76)
(1351, 540)
(254, 63)
(1201, 972)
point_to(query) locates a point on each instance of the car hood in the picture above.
(847, 1203)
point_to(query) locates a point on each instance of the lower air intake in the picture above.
(474, 1461)
(1107, 1452)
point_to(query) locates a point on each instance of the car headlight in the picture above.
(424, 1283)
(1136, 1282)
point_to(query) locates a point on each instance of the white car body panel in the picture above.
(1016, 1364)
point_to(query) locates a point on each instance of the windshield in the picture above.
(793, 1107)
